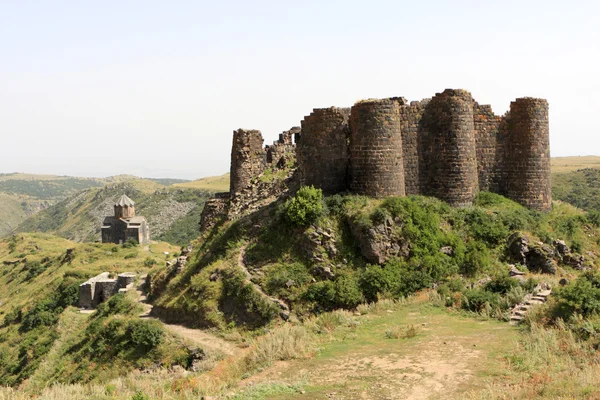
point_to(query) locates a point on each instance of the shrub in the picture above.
(581, 296)
(501, 284)
(117, 304)
(145, 334)
(380, 215)
(344, 292)
(347, 291)
(279, 275)
(247, 305)
(130, 243)
(14, 316)
(149, 262)
(377, 279)
(477, 257)
(486, 226)
(476, 299)
(335, 204)
(305, 208)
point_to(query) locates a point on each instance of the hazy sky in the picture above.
(155, 88)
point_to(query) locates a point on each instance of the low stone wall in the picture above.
(100, 288)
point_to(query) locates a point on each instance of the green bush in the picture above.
(335, 204)
(476, 299)
(581, 296)
(376, 280)
(149, 262)
(245, 304)
(344, 292)
(485, 226)
(14, 316)
(145, 334)
(130, 243)
(305, 208)
(501, 284)
(476, 259)
(117, 304)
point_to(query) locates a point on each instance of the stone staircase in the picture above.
(539, 296)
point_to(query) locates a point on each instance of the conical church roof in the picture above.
(125, 201)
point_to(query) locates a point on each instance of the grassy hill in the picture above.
(23, 195)
(45, 339)
(357, 330)
(569, 164)
(212, 183)
(173, 213)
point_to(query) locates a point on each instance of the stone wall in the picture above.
(248, 159)
(528, 154)
(214, 210)
(282, 152)
(100, 288)
(448, 145)
(322, 149)
(376, 164)
(489, 135)
(410, 127)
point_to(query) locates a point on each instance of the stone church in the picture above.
(125, 225)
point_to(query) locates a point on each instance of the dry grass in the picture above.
(549, 363)
(212, 183)
(402, 332)
(569, 164)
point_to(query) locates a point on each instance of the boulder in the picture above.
(538, 257)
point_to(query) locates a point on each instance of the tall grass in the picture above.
(549, 363)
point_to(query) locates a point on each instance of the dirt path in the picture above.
(198, 337)
(449, 357)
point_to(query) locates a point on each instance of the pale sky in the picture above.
(155, 88)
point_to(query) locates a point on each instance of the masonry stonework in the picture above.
(410, 127)
(376, 159)
(323, 149)
(248, 159)
(528, 154)
(449, 147)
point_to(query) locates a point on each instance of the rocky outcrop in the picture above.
(379, 242)
(537, 256)
(262, 191)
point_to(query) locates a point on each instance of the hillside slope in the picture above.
(44, 339)
(212, 183)
(23, 195)
(172, 213)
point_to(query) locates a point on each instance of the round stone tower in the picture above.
(527, 168)
(248, 159)
(449, 148)
(376, 163)
(322, 150)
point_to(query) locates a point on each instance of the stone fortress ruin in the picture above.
(449, 147)
(100, 288)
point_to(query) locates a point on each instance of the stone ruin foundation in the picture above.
(100, 288)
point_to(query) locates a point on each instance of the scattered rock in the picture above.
(447, 250)
(538, 257)
(323, 272)
(514, 271)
